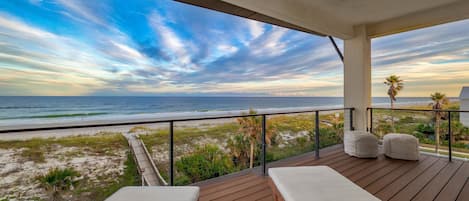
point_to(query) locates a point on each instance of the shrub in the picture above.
(58, 181)
(204, 163)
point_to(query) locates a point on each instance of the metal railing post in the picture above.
(316, 135)
(264, 144)
(171, 153)
(351, 119)
(371, 120)
(450, 149)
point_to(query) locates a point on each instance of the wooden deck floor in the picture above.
(431, 178)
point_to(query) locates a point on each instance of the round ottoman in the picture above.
(401, 146)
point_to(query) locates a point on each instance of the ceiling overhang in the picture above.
(339, 17)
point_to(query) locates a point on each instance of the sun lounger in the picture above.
(156, 193)
(314, 183)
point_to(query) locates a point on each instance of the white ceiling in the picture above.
(370, 11)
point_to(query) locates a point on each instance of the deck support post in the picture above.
(357, 77)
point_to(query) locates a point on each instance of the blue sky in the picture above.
(161, 47)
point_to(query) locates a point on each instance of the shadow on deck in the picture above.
(431, 178)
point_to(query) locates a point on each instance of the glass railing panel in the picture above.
(459, 135)
(290, 135)
(207, 149)
(424, 126)
(331, 128)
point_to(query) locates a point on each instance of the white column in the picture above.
(357, 77)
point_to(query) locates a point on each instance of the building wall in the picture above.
(465, 115)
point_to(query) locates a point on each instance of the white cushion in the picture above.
(316, 183)
(156, 193)
(360, 144)
(401, 146)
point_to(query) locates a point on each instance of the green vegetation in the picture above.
(204, 163)
(58, 181)
(250, 128)
(103, 143)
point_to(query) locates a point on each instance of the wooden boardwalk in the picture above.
(145, 164)
(431, 178)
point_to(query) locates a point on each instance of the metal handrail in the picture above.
(415, 110)
(450, 148)
(171, 130)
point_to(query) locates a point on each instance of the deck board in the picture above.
(418, 183)
(431, 178)
(464, 194)
(378, 185)
(455, 185)
(432, 189)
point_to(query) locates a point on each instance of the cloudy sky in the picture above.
(161, 47)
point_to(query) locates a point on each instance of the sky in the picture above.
(165, 48)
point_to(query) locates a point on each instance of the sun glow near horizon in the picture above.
(168, 48)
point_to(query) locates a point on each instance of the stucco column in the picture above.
(357, 77)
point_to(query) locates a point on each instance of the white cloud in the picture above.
(227, 49)
(126, 51)
(173, 44)
(256, 28)
(19, 29)
(270, 45)
(78, 8)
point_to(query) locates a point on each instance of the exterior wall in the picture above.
(464, 116)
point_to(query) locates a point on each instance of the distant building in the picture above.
(464, 101)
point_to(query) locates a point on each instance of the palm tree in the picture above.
(239, 145)
(251, 127)
(439, 101)
(57, 181)
(395, 86)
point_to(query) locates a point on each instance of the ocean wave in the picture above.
(20, 107)
(50, 116)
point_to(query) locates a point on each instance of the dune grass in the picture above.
(130, 178)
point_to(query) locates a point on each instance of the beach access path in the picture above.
(145, 164)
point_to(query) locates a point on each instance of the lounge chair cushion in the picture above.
(316, 183)
(156, 193)
(401, 146)
(360, 144)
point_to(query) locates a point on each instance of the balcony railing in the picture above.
(449, 118)
(171, 141)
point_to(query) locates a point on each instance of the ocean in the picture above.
(52, 109)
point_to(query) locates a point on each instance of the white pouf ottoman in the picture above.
(156, 193)
(360, 144)
(401, 146)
